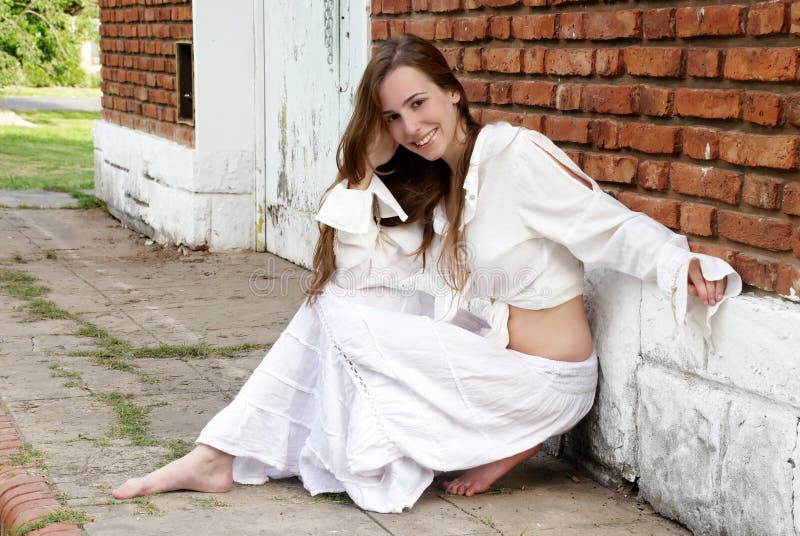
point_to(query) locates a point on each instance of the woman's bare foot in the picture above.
(203, 469)
(479, 479)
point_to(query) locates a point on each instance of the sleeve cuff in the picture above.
(673, 272)
(351, 210)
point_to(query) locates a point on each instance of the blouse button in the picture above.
(472, 197)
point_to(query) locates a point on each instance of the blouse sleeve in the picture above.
(597, 228)
(366, 253)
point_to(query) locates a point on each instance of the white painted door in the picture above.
(313, 53)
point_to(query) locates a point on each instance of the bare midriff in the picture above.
(561, 333)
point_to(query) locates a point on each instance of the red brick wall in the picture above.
(137, 52)
(689, 114)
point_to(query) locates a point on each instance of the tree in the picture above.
(40, 40)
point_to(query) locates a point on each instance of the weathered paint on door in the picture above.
(313, 50)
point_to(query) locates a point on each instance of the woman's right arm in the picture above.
(368, 254)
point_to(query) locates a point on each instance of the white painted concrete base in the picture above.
(173, 194)
(709, 435)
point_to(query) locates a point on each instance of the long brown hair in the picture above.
(417, 184)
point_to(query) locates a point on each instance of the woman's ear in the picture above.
(455, 97)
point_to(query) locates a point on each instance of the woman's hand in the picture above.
(381, 149)
(709, 292)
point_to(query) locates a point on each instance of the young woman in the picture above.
(383, 378)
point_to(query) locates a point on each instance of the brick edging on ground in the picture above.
(25, 496)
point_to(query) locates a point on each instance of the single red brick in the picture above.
(572, 62)
(444, 29)
(473, 59)
(607, 134)
(534, 3)
(706, 182)
(502, 60)
(499, 3)
(763, 192)
(568, 96)
(575, 156)
(22, 490)
(753, 150)
(651, 138)
(500, 27)
(58, 529)
(664, 211)
(659, 23)
(608, 61)
(711, 103)
(500, 92)
(709, 20)
(470, 28)
(533, 60)
(439, 6)
(768, 233)
(609, 99)
(491, 115)
(564, 128)
(655, 101)
(653, 175)
(570, 26)
(534, 93)
(476, 90)
(701, 143)
(794, 18)
(424, 28)
(654, 61)
(765, 64)
(725, 254)
(704, 62)
(397, 27)
(533, 122)
(610, 168)
(766, 18)
(791, 198)
(788, 284)
(454, 55)
(762, 108)
(756, 271)
(533, 26)
(793, 109)
(796, 242)
(604, 25)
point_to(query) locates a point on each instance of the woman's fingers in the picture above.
(709, 292)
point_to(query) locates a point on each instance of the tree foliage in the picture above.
(40, 40)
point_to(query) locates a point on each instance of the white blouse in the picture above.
(528, 228)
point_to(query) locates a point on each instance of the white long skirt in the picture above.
(367, 394)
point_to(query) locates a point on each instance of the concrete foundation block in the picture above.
(681, 447)
(231, 222)
(663, 340)
(757, 472)
(756, 348)
(608, 433)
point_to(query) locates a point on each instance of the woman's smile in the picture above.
(429, 137)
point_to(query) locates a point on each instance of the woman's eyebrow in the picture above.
(405, 101)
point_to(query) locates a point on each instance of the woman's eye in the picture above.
(390, 118)
(417, 103)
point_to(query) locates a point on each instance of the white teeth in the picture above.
(426, 139)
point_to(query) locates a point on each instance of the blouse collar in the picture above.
(440, 222)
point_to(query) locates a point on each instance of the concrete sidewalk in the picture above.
(95, 419)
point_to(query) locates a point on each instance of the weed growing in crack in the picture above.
(207, 503)
(131, 420)
(61, 515)
(27, 455)
(176, 448)
(145, 506)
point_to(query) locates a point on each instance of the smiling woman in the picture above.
(383, 378)
(58, 155)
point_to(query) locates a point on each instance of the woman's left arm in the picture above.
(560, 202)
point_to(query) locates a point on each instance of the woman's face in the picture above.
(421, 116)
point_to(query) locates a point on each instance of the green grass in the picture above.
(178, 448)
(201, 350)
(42, 309)
(20, 285)
(338, 498)
(59, 155)
(145, 506)
(27, 455)
(131, 420)
(55, 91)
(207, 503)
(61, 515)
